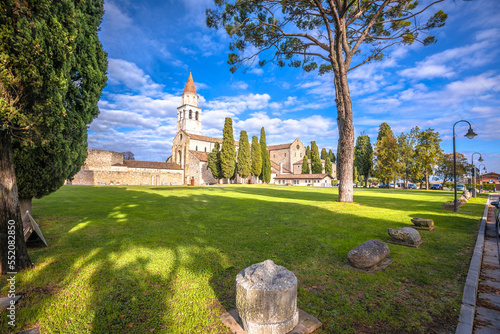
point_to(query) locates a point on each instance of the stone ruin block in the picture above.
(368, 255)
(405, 236)
(266, 298)
(423, 224)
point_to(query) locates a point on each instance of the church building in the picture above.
(188, 164)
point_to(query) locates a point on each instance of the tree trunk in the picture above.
(366, 181)
(346, 131)
(426, 180)
(13, 254)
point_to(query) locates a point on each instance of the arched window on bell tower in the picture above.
(190, 114)
(196, 115)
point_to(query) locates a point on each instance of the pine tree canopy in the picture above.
(214, 163)
(265, 175)
(244, 156)
(305, 165)
(228, 151)
(316, 166)
(256, 157)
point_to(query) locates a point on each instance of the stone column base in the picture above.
(275, 328)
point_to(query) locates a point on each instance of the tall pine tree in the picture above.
(324, 154)
(244, 156)
(331, 156)
(214, 163)
(305, 165)
(328, 166)
(228, 152)
(316, 166)
(265, 176)
(363, 156)
(386, 154)
(256, 154)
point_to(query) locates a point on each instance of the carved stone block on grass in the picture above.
(423, 224)
(266, 298)
(370, 256)
(405, 236)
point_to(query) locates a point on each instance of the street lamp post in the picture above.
(474, 178)
(470, 134)
(481, 179)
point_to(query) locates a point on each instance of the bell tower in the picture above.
(189, 114)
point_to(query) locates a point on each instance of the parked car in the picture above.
(436, 186)
(392, 185)
(460, 187)
(412, 186)
(381, 185)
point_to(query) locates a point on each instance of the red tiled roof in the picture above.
(209, 139)
(149, 164)
(189, 88)
(279, 147)
(302, 176)
(202, 156)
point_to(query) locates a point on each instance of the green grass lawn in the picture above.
(165, 259)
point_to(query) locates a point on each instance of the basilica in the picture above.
(188, 164)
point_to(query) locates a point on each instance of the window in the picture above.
(285, 155)
(205, 149)
(274, 155)
(196, 115)
(301, 155)
(196, 148)
(190, 114)
(181, 136)
(298, 146)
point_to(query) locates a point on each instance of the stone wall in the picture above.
(124, 176)
(101, 160)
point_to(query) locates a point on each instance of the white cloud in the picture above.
(240, 85)
(123, 72)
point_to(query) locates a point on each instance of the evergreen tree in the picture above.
(332, 156)
(305, 165)
(52, 72)
(428, 152)
(328, 166)
(214, 162)
(265, 176)
(244, 156)
(363, 156)
(316, 166)
(308, 152)
(324, 154)
(256, 157)
(228, 152)
(386, 153)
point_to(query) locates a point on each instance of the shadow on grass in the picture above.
(134, 258)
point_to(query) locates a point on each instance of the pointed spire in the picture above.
(189, 88)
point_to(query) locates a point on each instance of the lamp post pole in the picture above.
(474, 177)
(481, 179)
(470, 134)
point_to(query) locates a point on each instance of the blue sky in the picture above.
(152, 45)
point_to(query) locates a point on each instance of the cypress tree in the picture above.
(244, 155)
(328, 166)
(308, 152)
(316, 165)
(256, 157)
(265, 176)
(331, 156)
(52, 73)
(228, 152)
(214, 162)
(324, 155)
(305, 165)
